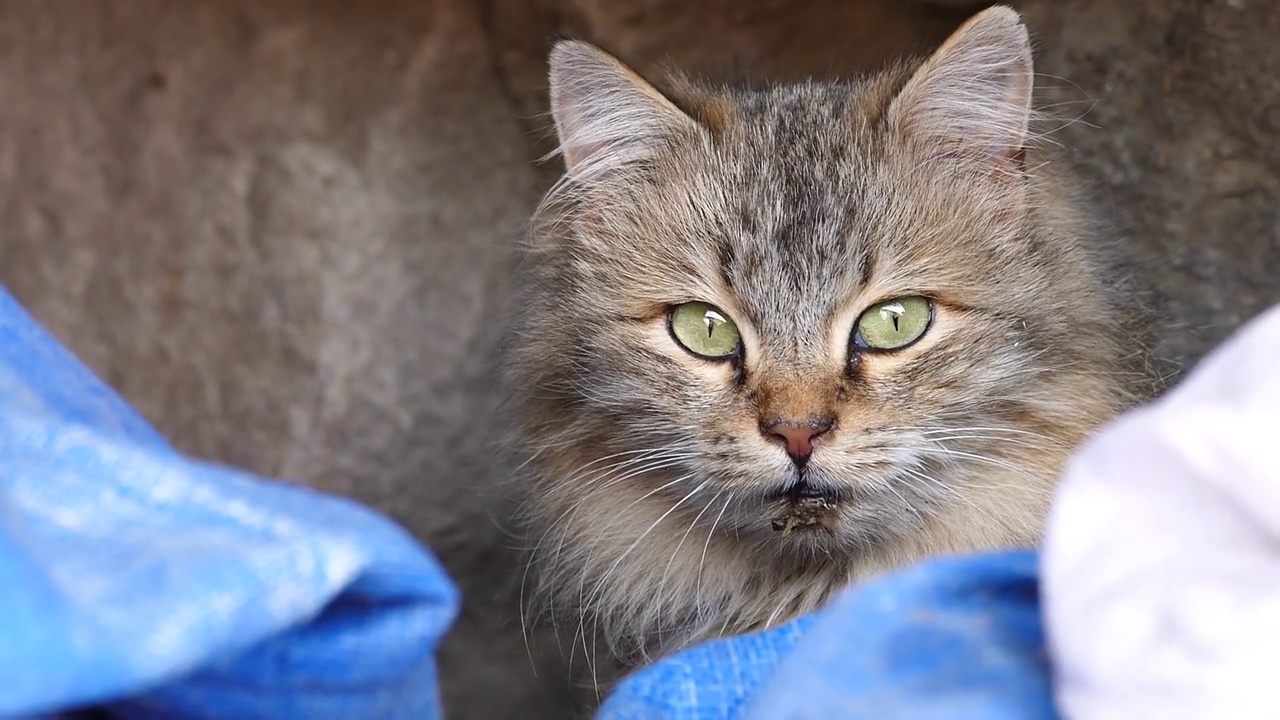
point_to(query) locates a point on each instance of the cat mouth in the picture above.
(803, 490)
(806, 508)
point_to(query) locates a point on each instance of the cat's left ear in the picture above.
(972, 98)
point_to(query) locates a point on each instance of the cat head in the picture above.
(807, 321)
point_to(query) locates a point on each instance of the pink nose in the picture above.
(798, 437)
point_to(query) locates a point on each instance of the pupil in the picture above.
(711, 326)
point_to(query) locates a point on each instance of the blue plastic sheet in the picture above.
(133, 577)
(957, 638)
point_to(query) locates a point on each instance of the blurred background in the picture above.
(286, 231)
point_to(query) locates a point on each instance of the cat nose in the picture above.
(798, 437)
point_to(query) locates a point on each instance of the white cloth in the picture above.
(1161, 564)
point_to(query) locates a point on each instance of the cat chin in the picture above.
(811, 530)
(812, 510)
(806, 510)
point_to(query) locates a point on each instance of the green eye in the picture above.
(704, 330)
(894, 324)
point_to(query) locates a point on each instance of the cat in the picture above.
(778, 339)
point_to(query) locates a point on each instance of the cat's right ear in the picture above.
(607, 117)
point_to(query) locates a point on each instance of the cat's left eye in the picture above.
(893, 324)
(704, 330)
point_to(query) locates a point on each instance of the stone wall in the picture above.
(286, 230)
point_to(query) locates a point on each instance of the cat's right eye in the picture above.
(704, 330)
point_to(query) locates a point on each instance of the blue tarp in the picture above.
(955, 638)
(167, 587)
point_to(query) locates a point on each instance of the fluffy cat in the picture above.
(780, 338)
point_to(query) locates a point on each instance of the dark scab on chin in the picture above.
(807, 514)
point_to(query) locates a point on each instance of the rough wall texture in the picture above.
(285, 230)
(1183, 143)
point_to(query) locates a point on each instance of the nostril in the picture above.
(798, 437)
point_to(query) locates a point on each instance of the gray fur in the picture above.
(794, 208)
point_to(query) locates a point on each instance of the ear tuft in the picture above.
(606, 115)
(972, 97)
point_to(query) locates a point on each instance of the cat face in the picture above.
(785, 248)
(806, 325)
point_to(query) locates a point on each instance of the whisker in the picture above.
(703, 561)
(707, 506)
(608, 573)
